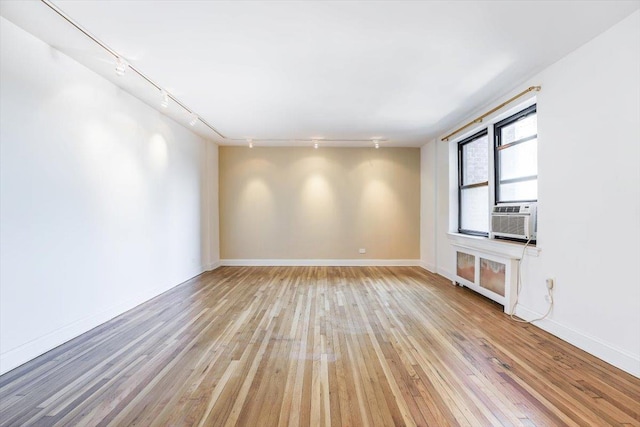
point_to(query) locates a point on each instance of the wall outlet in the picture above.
(362, 251)
(550, 283)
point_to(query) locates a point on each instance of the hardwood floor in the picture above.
(312, 346)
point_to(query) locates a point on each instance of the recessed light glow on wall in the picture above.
(121, 66)
(250, 141)
(193, 119)
(165, 100)
(376, 143)
(315, 144)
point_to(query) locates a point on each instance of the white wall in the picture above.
(428, 206)
(589, 198)
(105, 202)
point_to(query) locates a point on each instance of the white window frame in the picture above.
(498, 247)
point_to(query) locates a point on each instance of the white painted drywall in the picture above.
(103, 199)
(428, 182)
(589, 198)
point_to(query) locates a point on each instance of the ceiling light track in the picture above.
(122, 62)
(122, 65)
(305, 140)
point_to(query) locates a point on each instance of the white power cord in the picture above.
(519, 287)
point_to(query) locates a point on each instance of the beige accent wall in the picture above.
(301, 203)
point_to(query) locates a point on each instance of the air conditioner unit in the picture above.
(514, 220)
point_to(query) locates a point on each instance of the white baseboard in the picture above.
(32, 349)
(428, 266)
(28, 351)
(319, 262)
(446, 273)
(615, 356)
(212, 266)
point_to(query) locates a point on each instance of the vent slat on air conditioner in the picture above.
(509, 224)
(517, 220)
(507, 209)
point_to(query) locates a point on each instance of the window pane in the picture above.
(519, 161)
(475, 161)
(520, 129)
(474, 209)
(518, 191)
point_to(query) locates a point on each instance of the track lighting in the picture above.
(165, 100)
(193, 119)
(121, 66)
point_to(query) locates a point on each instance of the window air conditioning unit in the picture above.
(514, 220)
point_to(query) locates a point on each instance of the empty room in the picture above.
(319, 213)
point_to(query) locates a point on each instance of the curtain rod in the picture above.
(493, 110)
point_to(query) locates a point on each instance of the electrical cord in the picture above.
(519, 287)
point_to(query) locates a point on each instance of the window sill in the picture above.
(496, 247)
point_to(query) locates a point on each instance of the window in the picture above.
(473, 184)
(516, 157)
(506, 171)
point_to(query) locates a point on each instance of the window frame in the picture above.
(497, 147)
(462, 186)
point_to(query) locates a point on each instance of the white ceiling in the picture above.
(404, 72)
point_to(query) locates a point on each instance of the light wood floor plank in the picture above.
(318, 346)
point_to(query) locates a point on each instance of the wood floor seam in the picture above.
(318, 346)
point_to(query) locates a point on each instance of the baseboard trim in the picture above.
(617, 357)
(212, 266)
(319, 262)
(446, 274)
(431, 268)
(39, 346)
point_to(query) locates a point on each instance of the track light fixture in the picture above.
(121, 66)
(165, 100)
